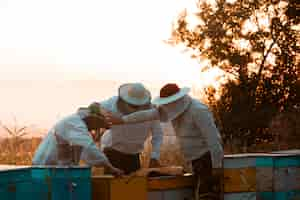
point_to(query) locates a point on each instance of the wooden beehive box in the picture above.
(170, 188)
(15, 183)
(273, 176)
(107, 187)
(286, 167)
(248, 176)
(61, 183)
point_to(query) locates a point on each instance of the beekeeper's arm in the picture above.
(157, 138)
(204, 121)
(77, 133)
(142, 116)
(108, 107)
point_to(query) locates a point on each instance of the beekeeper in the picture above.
(69, 141)
(123, 144)
(197, 134)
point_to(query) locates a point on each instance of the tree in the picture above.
(256, 42)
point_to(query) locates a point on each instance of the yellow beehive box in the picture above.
(107, 187)
(240, 180)
(171, 182)
(248, 173)
(170, 187)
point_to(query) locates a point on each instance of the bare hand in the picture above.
(112, 119)
(117, 172)
(154, 163)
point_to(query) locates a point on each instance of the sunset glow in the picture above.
(56, 41)
(87, 38)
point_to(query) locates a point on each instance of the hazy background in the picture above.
(58, 55)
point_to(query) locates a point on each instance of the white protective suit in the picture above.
(130, 137)
(69, 136)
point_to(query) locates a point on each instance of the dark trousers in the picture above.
(207, 186)
(127, 162)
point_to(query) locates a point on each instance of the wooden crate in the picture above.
(287, 176)
(274, 176)
(171, 188)
(61, 183)
(107, 187)
(248, 173)
(248, 177)
(15, 183)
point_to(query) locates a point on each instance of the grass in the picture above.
(18, 150)
(18, 154)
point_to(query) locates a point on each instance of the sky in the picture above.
(45, 45)
(90, 39)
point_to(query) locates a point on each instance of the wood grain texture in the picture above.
(286, 161)
(178, 194)
(287, 179)
(239, 162)
(109, 188)
(240, 196)
(264, 179)
(167, 183)
(291, 195)
(240, 180)
(156, 195)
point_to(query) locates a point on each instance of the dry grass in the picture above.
(19, 150)
(170, 154)
(20, 154)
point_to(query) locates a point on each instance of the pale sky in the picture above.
(88, 40)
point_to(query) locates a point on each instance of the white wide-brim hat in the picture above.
(166, 100)
(135, 94)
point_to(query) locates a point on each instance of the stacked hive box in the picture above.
(274, 176)
(262, 177)
(107, 187)
(61, 183)
(286, 176)
(15, 183)
(142, 188)
(44, 183)
(170, 188)
(248, 176)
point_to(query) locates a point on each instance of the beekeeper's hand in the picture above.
(112, 119)
(117, 172)
(154, 163)
(113, 170)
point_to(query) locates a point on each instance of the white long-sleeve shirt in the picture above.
(195, 129)
(72, 131)
(130, 137)
(198, 134)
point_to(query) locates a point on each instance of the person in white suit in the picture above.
(123, 144)
(69, 141)
(198, 136)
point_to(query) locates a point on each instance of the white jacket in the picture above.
(197, 133)
(194, 127)
(130, 137)
(71, 131)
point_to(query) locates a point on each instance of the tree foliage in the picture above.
(258, 43)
